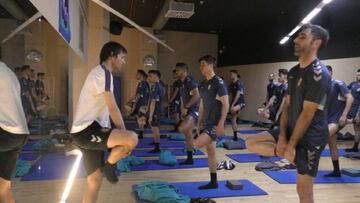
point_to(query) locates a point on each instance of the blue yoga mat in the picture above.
(154, 165)
(28, 156)
(165, 120)
(191, 189)
(52, 167)
(250, 131)
(167, 144)
(289, 177)
(28, 146)
(176, 152)
(241, 141)
(148, 131)
(248, 158)
(326, 153)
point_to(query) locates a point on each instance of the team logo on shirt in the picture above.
(317, 71)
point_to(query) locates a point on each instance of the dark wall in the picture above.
(260, 43)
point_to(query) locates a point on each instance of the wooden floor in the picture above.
(50, 191)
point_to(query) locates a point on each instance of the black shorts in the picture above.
(272, 113)
(307, 155)
(10, 146)
(194, 114)
(210, 130)
(92, 142)
(175, 107)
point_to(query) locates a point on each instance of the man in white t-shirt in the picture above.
(91, 130)
(13, 129)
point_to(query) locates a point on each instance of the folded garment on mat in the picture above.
(160, 192)
(22, 168)
(166, 157)
(124, 164)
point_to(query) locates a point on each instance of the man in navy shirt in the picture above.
(303, 131)
(189, 95)
(140, 101)
(175, 101)
(353, 114)
(155, 107)
(237, 100)
(214, 106)
(340, 101)
(270, 87)
(274, 106)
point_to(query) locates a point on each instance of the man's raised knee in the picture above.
(133, 140)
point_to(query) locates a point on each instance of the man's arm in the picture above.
(176, 91)
(114, 111)
(152, 108)
(270, 102)
(201, 111)
(237, 97)
(348, 102)
(194, 97)
(280, 110)
(224, 109)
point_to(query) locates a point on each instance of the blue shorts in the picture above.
(352, 112)
(210, 130)
(194, 114)
(334, 117)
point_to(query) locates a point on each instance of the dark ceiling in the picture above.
(253, 27)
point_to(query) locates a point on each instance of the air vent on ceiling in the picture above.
(180, 10)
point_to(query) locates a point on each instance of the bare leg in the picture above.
(263, 144)
(304, 187)
(93, 186)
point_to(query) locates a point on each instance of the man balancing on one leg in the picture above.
(91, 126)
(354, 113)
(13, 129)
(237, 101)
(303, 130)
(340, 101)
(189, 95)
(214, 106)
(155, 107)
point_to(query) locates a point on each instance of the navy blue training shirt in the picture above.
(143, 91)
(280, 93)
(210, 91)
(355, 92)
(186, 87)
(234, 88)
(176, 84)
(337, 97)
(311, 84)
(157, 93)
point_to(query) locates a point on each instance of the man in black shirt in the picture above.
(237, 99)
(214, 106)
(303, 131)
(189, 95)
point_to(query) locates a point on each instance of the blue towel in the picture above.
(167, 158)
(220, 143)
(124, 164)
(22, 168)
(160, 192)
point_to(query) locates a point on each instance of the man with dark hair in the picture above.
(340, 101)
(303, 131)
(273, 107)
(189, 95)
(155, 107)
(138, 103)
(237, 101)
(91, 130)
(354, 113)
(13, 129)
(175, 101)
(270, 87)
(214, 106)
(26, 93)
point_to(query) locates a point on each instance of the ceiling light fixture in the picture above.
(307, 19)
